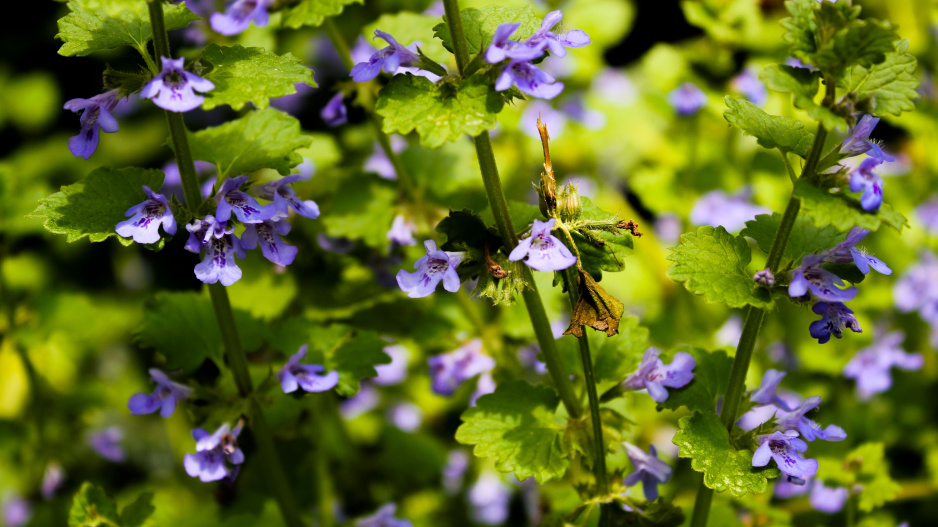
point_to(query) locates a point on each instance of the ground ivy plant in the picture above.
(252, 386)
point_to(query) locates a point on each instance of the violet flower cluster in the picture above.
(294, 375)
(449, 370)
(239, 15)
(173, 88)
(519, 69)
(824, 286)
(437, 266)
(95, 116)
(787, 418)
(217, 455)
(542, 251)
(871, 366)
(214, 234)
(731, 211)
(648, 469)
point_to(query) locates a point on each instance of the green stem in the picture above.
(237, 362)
(791, 171)
(338, 42)
(754, 317)
(493, 189)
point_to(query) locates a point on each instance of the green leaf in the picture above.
(356, 359)
(613, 357)
(800, 26)
(93, 206)
(712, 262)
(888, 87)
(480, 24)
(255, 75)
(92, 507)
(806, 237)
(515, 426)
(261, 139)
(704, 440)
(439, 112)
(803, 84)
(362, 209)
(711, 377)
(843, 211)
(182, 327)
(602, 246)
(873, 475)
(862, 43)
(314, 12)
(95, 25)
(771, 131)
(135, 514)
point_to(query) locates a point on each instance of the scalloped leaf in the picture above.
(95, 205)
(712, 262)
(242, 75)
(515, 426)
(704, 440)
(314, 12)
(95, 25)
(843, 211)
(439, 112)
(771, 131)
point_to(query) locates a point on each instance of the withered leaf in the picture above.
(594, 308)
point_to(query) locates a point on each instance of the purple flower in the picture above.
(917, 288)
(378, 161)
(396, 371)
(789, 487)
(431, 269)
(796, 63)
(835, 316)
(364, 401)
(164, 397)
(237, 17)
(765, 394)
(859, 141)
(457, 461)
(871, 366)
(503, 47)
(821, 282)
(654, 376)
(391, 58)
(764, 277)
(863, 178)
(212, 452)
(927, 213)
(52, 480)
(172, 88)
(268, 234)
(556, 42)
(285, 198)
(750, 86)
(810, 430)
(95, 114)
(402, 231)
(845, 253)
(650, 470)
(107, 443)
(543, 250)
(406, 415)
(335, 113)
(489, 498)
(785, 449)
(16, 511)
(687, 99)
(828, 499)
(384, 517)
(530, 80)
(221, 246)
(230, 199)
(449, 370)
(147, 217)
(294, 375)
(732, 212)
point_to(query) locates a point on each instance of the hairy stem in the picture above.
(237, 362)
(499, 205)
(754, 317)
